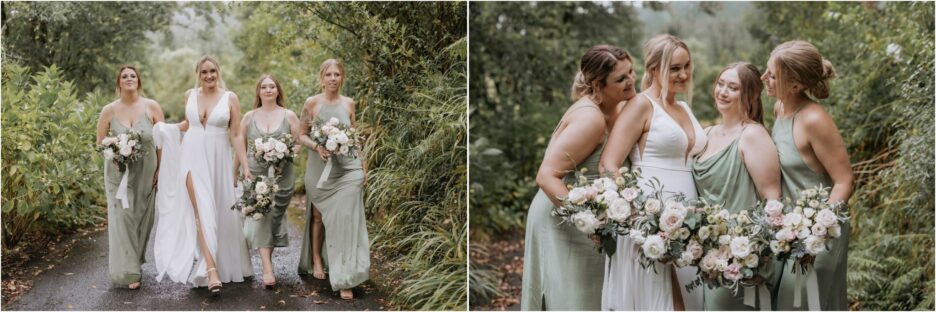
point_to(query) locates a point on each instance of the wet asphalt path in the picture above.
(80, 282)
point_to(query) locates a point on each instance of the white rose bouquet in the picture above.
(123, 149)
(255, 197)
(337, 138)
(803, 228)
(667, 231)
(735, 249)
(275, 151)
(601, 207)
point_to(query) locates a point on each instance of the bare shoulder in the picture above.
(754, 133)
(639, 104)
(233, 95)
(189, 92)
(580, 116)
(815, 117)
(290, 114)
(108, 109)
(311, 101)
(150, 104)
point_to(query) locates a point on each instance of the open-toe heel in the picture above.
(214, 287)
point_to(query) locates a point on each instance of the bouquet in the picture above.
(601, 207)
(803, 228)
(123, 149)
(735, 249)
(273, 151)
(667, 232)
(255, 197)
(337, 138)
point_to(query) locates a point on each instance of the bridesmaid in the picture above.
(128, 229)
(811, 152)
(562, 270)
(738, 165)
(659, 135)
(270, 117)
(337, 208)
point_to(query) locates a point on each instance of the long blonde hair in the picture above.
(799, 61)
(658, 53)
(208, 58)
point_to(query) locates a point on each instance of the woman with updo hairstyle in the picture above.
(561, 269)
(660, 136)
(738, 167)
(130, 217)
(811, 153)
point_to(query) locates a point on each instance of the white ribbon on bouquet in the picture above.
(812, 288)
(122, 189)
(325, 173)
(762, 292)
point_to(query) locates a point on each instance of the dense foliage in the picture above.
(882, 103)
(48, 183)
(85, 40)
(406, 69)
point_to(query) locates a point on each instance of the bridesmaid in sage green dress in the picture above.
(739, 167)
(334, 211)
(270, 118)
(811, 153)
(562, 269)
(128, 229)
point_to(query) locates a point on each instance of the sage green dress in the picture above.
(128, 230)
(562, 270)
(270, 231)
(831, 266)
(722, 178)
(340, 200)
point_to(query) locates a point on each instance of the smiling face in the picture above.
(680, 71)
(209, 74)
(727, 91)
(128, 80)
(268, 90)
(770, 78)
(332, 79)
(619, 85)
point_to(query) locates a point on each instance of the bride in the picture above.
(661, 136)
(196, 188)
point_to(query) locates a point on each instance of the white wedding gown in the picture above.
(627, 285)
(205, 152)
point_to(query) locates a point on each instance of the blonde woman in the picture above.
(336, 210)
(198, 215)
(811, 153)
(659, 135)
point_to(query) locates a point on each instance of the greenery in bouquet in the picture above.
(803, 228)
(123, 148)
(255, 197)
(666, 231)
(275, 151)
(337, 138)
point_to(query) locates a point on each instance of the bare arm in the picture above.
(243, 129)
(294, 128)
(829, 148)
(103, 124)
(762, 161)
(571, 145)
(305, 120)
(237, 138)
(630, 125)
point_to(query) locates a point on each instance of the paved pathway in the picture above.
(80, 282)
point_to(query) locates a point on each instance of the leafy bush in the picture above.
(49, 184)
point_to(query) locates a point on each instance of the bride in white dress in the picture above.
(660, 136)
(195, 223)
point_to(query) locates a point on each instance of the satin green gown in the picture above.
(128, 230)
(270, 231)
(340, 200)
(562, 270)
(831, 266)
(722, 178)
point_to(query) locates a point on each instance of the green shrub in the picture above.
(52, 177)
